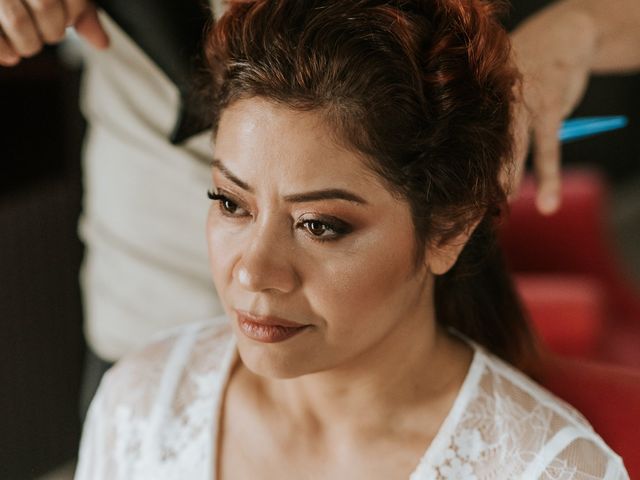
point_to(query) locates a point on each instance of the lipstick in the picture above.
(267, 329)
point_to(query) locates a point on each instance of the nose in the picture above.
(266, 264)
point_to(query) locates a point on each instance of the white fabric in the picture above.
(156, 416)
(144, 208)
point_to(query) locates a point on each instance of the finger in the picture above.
(546, 162)
(521, 149)
(518, 167)
(50, 18)
(513, 171)
(74, 9)
(89, 27)
(19, 27)
(8, 56)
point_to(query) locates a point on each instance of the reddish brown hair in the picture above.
(422, 88)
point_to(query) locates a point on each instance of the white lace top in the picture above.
(156, 416)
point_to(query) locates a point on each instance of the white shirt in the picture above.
(157, 413)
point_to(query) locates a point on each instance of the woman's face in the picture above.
(311, 254)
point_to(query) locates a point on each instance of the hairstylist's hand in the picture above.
(26, 25)
(553, 50)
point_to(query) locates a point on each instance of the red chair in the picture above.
(580, 299)
(581, 303)
(608, 396)
(567, 311)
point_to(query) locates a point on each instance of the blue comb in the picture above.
(576, 128)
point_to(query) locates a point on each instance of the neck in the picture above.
(414, 368)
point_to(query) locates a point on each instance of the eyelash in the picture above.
(339, 228)
(221, 199)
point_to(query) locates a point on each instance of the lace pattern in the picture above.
(156, 415)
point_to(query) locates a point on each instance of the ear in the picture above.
(441, 255)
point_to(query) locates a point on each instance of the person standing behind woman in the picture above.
(145, 265)
(373, 331)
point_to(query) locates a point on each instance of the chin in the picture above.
(276, 360)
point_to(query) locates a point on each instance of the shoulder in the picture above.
(541, 435)
(192, 349)
(504, 425)
(155, 408)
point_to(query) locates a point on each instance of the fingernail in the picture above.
(11, 59)
(548, 203)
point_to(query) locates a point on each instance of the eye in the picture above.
(228, 206)
(316, 228)
(325, 230)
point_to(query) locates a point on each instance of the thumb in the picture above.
(88, 26)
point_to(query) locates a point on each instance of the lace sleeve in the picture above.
(513, 424)
(582, 459)
(113, 433)
(152, 415)
(91, 448)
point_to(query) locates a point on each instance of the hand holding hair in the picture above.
(27, 25)
(556, 51)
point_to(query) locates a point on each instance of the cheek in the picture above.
(371, 282)
(220, 250)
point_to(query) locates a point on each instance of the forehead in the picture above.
(259, 139)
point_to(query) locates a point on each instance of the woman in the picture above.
(355, 187)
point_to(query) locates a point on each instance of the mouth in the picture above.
(267, 329)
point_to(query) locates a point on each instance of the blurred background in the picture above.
(578, 271)
(41, 344)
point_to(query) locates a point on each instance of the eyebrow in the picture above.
(326, 194)
(215, 163)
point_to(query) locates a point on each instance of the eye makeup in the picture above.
(318, 225)
(228, 206)
(321, 228)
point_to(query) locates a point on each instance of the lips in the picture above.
(267, 329)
